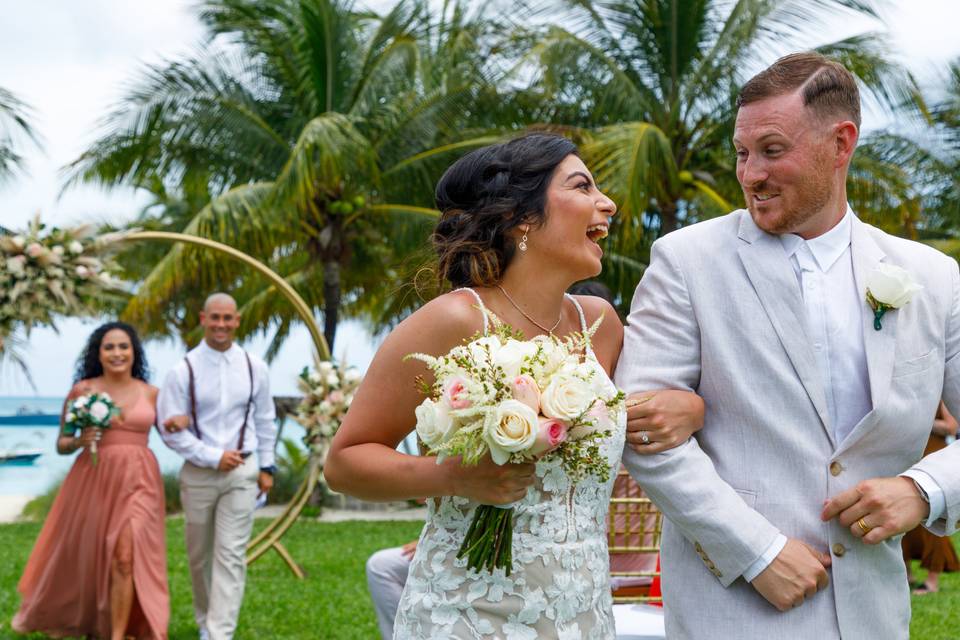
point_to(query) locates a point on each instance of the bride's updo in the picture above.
(486, 194)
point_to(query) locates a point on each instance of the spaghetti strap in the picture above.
(583, 321)
(483, 309)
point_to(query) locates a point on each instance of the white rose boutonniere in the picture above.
(889, 287)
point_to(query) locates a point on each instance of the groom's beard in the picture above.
(808, 197)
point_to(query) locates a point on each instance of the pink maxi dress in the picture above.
(66, 584)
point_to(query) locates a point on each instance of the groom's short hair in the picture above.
(826, 86)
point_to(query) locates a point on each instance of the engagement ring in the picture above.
(644, 438)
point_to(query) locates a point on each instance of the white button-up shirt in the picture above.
(824, 268)
(222, 384)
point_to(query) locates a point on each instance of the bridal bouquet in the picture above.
(92, 410)
(518, 400)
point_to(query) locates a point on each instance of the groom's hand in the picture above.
(797, 572)
(879, 508)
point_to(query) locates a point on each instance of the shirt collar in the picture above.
(211, 354)
(826, 248)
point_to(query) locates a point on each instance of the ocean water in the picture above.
(50, 467)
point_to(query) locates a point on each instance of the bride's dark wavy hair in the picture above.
(88, 364)
(486, 194)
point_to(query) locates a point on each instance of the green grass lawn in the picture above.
(332, 603)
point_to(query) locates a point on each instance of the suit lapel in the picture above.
(776, 285)
(879, 346)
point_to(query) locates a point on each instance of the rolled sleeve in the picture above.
(173, 401)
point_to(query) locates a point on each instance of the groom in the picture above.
(784, 513)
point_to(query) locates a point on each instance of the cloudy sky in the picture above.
(70, 61)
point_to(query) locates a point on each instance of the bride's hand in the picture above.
(661, 420)
(489, 482)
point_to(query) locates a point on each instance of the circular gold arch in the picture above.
(270, 536)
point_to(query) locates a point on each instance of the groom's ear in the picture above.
(846, 135)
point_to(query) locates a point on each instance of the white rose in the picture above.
(483, 350)
(511, 427)
(70, 417)
(83, 271)
(325, 367)
(566, 397)
(351, 375)
(511, 356)
(314, 378)
(75, 247)
(15, 265)
(332, 379)
(891, 285)
(58, 249)
(99, 411)
(434, 423)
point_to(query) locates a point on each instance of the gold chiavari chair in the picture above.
(633, 534)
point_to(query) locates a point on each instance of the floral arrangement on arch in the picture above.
(327, 391)
(46, 272)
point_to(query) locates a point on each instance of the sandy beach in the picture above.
(11, 506)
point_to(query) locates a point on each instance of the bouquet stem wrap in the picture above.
(489, 540)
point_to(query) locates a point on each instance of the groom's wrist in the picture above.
(766, 558)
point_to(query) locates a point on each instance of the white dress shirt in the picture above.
(833, 312)
(222, 384)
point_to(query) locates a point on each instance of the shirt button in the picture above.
(839, 550)
(836, 468)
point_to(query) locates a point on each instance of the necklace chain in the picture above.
(524, 313)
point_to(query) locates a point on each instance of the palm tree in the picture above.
(15, 125)
(651, 84)
(315, 126)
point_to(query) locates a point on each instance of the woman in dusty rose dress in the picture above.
(99, 566)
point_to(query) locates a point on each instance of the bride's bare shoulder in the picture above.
(441, 324)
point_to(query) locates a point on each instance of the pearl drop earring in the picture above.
(523, 242)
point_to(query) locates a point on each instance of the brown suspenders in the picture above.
(193, 401)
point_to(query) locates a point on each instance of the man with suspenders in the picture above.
(216, 410)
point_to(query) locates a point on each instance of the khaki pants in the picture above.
(218, 507)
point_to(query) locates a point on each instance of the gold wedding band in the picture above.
(863, 526)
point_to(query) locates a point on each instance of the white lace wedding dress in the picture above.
(559, 586)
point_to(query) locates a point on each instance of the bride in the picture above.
(520, 223)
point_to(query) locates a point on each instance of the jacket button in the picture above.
(839, 550)
(836, 468)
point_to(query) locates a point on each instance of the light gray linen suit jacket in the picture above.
(719, 311)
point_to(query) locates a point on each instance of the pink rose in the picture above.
(34, 250)
(551, 433)
(455, 393)
(525, 390)
(336, 396)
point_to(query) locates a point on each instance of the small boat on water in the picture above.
(27, 417)
(19, 457)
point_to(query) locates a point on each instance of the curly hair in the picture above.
(88, 364)
(486, 194)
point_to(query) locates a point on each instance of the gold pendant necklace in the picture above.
(524, 313)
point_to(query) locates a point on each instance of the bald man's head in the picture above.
(220, 320)
(219, 298)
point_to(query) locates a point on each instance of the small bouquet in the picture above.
(91, 410)
(518, 400)
(327, 391)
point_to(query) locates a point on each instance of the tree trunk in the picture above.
(668, 217)
(331, 300)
